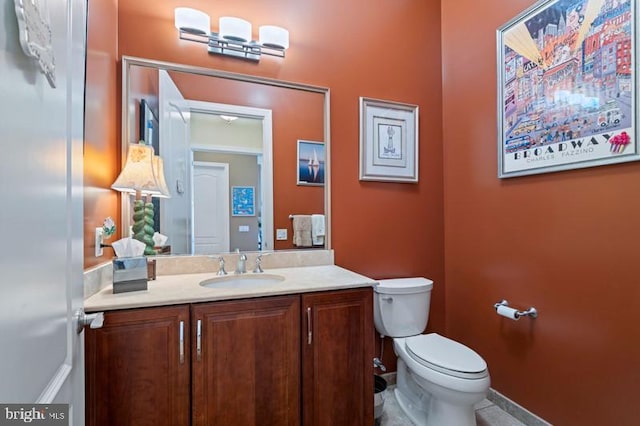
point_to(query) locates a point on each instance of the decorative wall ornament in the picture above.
(35, 36)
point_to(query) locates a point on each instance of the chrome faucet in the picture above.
(221, 270)
(241, 266)
(258, 269)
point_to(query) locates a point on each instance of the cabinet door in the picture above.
(137, 368)
(337, 358)
(247, 368)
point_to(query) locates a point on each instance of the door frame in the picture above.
(266, 171)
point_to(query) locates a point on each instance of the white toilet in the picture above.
(439, 380)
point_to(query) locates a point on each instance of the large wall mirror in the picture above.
(242, 155)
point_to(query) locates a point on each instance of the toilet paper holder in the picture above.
(531, 312)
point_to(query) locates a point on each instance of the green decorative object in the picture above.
(108, 227)
(143, 225)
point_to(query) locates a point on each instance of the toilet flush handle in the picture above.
(388, 299)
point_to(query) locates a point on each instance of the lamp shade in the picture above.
(274, 37)
(137, 173)
(235, 29)
(158, 170)
(192, 20)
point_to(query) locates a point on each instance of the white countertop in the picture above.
(186, 288)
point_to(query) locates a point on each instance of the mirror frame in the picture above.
(128, 61)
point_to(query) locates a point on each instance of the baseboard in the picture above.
(515, 410)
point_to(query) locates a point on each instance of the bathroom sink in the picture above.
(243, 281)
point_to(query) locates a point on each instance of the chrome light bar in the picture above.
(217, 45)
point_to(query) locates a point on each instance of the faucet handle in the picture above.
(221, 270)
(258, 268)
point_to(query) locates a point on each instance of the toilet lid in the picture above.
(446, 356)
(403, 286)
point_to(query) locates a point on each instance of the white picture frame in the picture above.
(388, 141)
(567, 84)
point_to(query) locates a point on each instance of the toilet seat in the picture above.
(446, 356)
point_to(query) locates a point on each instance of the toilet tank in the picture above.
(401, 306)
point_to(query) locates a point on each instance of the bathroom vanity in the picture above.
(296, 352)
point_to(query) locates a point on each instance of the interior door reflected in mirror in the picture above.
(230, 144)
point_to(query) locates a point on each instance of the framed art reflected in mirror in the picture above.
(311, 163)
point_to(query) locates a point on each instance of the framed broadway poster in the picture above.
(567, 82)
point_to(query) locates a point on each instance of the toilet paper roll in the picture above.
(508, 312)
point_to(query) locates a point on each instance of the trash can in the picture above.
(379, 386)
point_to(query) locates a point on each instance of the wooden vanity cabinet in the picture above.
(337, 358)
(137, 368)
(284, 360)
(246, 362)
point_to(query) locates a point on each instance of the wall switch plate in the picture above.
(243, 228)
(99, 241)
(281, 234)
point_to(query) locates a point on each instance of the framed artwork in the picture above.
(243, 201)
(311, 163)
(567, 86)
(388, 141)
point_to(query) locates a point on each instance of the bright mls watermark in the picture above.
(38, 414)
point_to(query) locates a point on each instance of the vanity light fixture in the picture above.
(233, 37)
(142, 174)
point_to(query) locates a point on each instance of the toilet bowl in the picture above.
(438, 380)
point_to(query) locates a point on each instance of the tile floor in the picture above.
(487, 413)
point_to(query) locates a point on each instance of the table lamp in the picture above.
(142, 174)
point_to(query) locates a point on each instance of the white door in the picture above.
(41, 221)
(210, 207)
(175, 214)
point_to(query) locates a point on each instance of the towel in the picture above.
(302, 230)
(317, 229)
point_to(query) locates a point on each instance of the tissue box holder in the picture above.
(130, 274)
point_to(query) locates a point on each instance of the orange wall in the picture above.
(144, 82)
(102, 126)
(566, 243)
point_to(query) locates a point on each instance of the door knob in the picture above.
(92, 320)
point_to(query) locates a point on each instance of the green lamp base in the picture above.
(143, 225)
